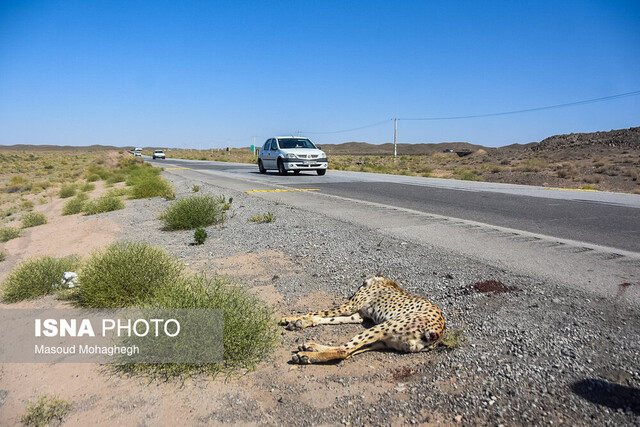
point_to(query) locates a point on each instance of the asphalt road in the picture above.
(605, 219)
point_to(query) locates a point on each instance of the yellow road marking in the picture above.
(279, 190)
(569, 189)
(173, 169)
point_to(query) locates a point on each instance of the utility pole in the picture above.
(395, 138)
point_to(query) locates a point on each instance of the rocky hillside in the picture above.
(620, 138)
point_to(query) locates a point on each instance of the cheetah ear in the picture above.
(379, 274)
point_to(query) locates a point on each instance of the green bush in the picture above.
(46, 409)
(95, 170)
(27, 205)
(33, 219)
(75, 205)
(88, 186)
(466, 174)
(250, 331)
(200, 236)
(106, 203)
(126, 274)
(8, 233)
(67, 190)
(155, 186)
(36, 277)
(93, 177)
(195, 188)
(116, 176)
(146, 182)
(2, 256)
(193, 212)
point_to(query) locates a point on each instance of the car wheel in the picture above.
(261, 167)
(281, 168)
(321, 171)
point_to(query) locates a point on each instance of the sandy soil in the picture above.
(102, 397)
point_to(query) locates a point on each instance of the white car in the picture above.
(158, 154)
(291, 153)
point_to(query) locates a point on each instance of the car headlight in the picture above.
(291, 156)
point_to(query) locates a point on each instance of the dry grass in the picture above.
(27, 178)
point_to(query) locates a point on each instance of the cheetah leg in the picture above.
(371, 339)
(344, 314)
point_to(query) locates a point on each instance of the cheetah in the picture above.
(404, 322)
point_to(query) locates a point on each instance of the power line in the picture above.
(529, 110)
(350, 130)
(475, 116)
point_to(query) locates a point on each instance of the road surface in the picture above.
(589, 240)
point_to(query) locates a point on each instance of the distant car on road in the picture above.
(290, 153)
(159, 154)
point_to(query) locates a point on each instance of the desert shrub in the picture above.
(116, 176)
(592, 179)
(146, 182)
(40, 186)
(226, 205)
(118, 192)
(36, 277)
(18, 180)
(27, 205)
(452, 339)
(126, 274)
(18, 184)
(95, 170)
(193, 212)
(88, 186)
(466, 174)
(75, 205)
(93, 177)
(106, 203)
(535, 164)
(129, 161)
(250, 331)
(8, 233)
(263, 218)
(195, 188)
(67, 190)
(2, 256)
(153, 186)
(200, 235)
(33, 219)
(46, 409)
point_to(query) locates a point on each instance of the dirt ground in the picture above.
(102, 397)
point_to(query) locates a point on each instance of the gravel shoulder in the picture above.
(543, 353)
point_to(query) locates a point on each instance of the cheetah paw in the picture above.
(291, 325)
(309, 346)
(301, 359)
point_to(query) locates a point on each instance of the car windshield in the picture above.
(295, 143)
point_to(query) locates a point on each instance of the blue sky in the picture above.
(212, 73)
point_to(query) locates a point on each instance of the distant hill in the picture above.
(25, 147)
(363, 148)
(621, 138)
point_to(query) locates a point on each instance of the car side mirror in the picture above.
(318, 147)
